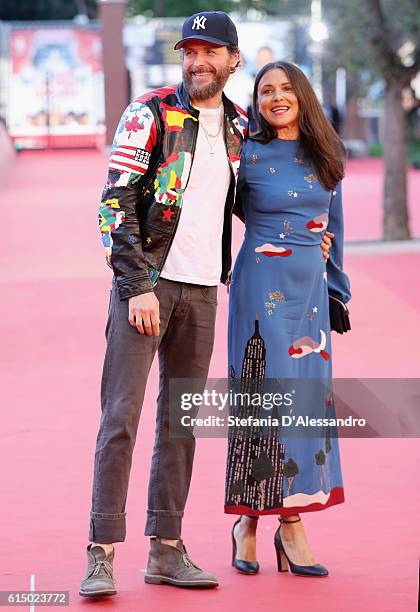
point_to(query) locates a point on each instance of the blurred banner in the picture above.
(56, 87)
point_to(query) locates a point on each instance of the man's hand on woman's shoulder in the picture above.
(326, 244)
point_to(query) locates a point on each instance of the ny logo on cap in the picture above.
(199, 22)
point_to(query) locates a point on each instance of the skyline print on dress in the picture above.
(255, 458)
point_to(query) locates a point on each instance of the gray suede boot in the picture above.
(99, 580)
(170, 565)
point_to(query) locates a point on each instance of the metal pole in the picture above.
(340, 90)
(316, 18)
(112, 17)
(47, 108)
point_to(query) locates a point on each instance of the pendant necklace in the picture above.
(208, 135)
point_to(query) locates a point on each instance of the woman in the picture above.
(279, 316)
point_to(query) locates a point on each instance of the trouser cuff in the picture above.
(164, 524)
(107, 528)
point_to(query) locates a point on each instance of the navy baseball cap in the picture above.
(215, 27)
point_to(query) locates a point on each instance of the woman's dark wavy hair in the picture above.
(320, 144)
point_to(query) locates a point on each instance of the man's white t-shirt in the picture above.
(195, 255)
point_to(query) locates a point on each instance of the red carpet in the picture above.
(363, 190)
(55, 290)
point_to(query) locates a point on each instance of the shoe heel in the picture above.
(282, 563)
(153, 579)
(234, 544)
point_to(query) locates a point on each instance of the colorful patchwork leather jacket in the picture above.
(148, 172)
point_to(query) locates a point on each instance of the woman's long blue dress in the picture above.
(279, 328)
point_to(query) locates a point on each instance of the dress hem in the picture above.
(336, 497)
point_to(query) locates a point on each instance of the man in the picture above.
(169, 147)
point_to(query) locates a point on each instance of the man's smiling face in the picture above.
(205, 68)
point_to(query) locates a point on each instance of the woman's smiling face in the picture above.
(277, 101)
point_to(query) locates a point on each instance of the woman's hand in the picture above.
(326, 244)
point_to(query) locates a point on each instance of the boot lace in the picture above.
(189, 562)
(101, 567)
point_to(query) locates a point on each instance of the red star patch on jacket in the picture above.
(167, 214)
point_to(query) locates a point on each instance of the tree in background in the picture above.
(34, 10)
(388, 36)
(178, 8)
(183, 8)
(377, 39)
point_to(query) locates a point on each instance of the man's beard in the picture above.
(204, 92)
